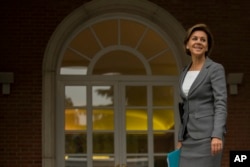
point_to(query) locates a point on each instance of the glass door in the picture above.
(135, 130)
(118, 124)
(90, 112)
(148, 111)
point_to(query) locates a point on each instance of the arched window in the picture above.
(114, 44)
(115, 78)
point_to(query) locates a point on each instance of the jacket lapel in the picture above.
(199, 78)
(203, 73)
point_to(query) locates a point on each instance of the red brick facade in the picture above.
(26, 27)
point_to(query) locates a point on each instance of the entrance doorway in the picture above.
(109, 86)
(118, 123)
(116, 96)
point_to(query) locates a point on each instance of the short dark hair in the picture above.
(199, 27)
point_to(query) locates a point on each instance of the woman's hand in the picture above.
(216, 145)
(179, 145)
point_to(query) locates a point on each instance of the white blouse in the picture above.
(188, 81)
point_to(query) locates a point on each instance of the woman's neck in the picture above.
(197, 63)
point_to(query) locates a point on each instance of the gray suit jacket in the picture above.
(205, 107)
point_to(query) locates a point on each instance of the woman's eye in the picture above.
(203, 40)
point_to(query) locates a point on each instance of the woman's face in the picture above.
(198, 43)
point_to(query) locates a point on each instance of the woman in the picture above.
(204, 94)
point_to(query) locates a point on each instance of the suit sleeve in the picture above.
(218, 81)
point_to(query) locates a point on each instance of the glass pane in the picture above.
(152, 44)
(136, 95)
(130, 29)
(103, 161)
(136, 119)
(75, 143)
(137, 161)
(103, 119)
(85, 44)
(119, 62)
(107, 32)
(163, 96)
(163, 119)
(137, 142)
(75, 161)
(163, 137)
(164, 64)
(160, 161)
(73, 63)
(75, 96)
(103, 143)
(73, 70)
(75, 119)
(102, 96)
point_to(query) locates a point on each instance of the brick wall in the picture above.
(26, 27)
